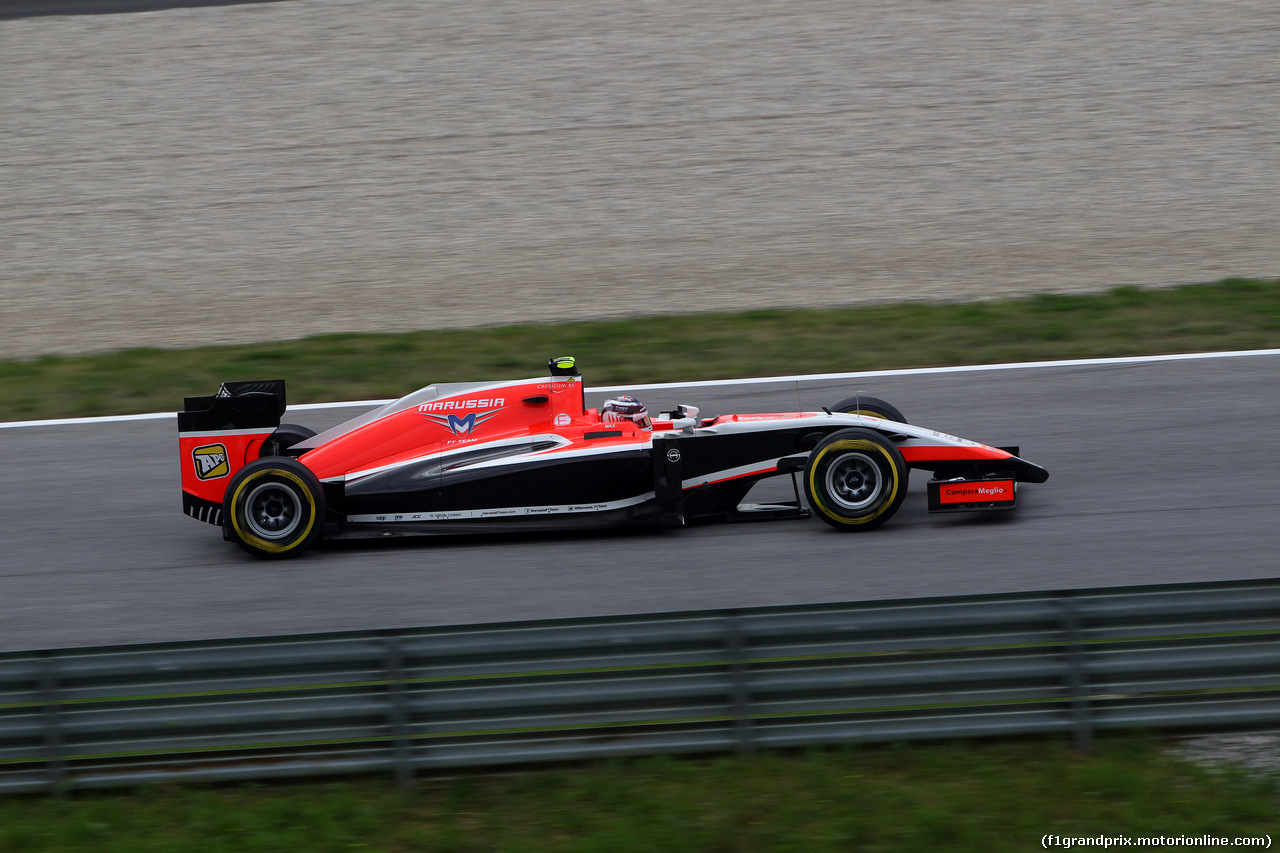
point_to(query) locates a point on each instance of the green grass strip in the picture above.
(1233, 314)
(955, 797)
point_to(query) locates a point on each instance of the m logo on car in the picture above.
(461, 424)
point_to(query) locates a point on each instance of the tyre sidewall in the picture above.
(873, 406)
(297, 480)
(285, 436)
(881, 453)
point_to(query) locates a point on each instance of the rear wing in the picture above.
(220, 434)
(237, 405)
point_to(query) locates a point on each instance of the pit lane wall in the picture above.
(1192, 657)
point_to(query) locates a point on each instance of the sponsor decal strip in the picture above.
(497, 512)
(765, 380)
(496, 403)
(976, 491)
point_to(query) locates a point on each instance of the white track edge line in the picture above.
(763, 380)
(963, 368)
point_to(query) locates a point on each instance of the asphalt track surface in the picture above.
(1161, 472)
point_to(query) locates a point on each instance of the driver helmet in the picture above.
(626, 408)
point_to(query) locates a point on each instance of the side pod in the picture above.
(219, 435)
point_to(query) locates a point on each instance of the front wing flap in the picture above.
(960, 494)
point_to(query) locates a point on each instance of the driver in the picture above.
(626, 408)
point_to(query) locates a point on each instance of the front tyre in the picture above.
(274, 507)
(855, 479)
(873, 406)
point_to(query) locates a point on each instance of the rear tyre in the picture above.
(855, 479)
(285, 436)
(274, 508)
(873, 406)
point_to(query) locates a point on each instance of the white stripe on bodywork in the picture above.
(917, 434)
(498, 512)
(761, 467)
(557, 453)
(444, 457)
(213, 433)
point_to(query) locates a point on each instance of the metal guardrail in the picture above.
(1191, 657)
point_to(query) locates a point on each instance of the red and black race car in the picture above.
(517, 456)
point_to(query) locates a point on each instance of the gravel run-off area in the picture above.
(1257, 754)
(265, 171)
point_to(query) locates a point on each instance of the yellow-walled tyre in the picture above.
(874, 406)
(274, 507)
(855, 479)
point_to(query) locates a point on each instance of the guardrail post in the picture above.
(55, 748)
(1077, 681)
(739, 692)
(398, 714)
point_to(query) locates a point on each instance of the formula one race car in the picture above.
(470, 457)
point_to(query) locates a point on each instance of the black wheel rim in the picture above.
(854, 482)
(273, 511)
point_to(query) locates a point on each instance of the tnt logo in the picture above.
(211, 461)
